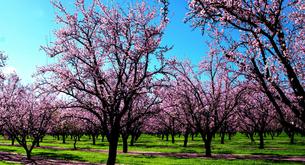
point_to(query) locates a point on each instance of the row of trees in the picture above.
(27, 116)
(110, 75)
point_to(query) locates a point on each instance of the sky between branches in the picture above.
(26, 25)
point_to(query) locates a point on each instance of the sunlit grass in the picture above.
(8, 163)
(238, 145)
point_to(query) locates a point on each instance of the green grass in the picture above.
(95, 157)
(7, 163)
(238, 145)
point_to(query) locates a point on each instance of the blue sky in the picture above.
(26, 25)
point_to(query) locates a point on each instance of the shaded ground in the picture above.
(39, 160)
(225, 156)
(8, 156)
(196, 155)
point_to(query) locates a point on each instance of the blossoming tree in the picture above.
(208, 95)
(265, 40)
(25, 113)
(105, 58)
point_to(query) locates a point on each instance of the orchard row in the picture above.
(110, 75)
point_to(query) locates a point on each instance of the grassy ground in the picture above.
(2, 162)
(238, 145)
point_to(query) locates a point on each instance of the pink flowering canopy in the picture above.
(25, 112)
(105, 59)
(265, 40)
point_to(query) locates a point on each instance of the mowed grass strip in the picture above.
(239, 144)
(96, 157)
(2, 162)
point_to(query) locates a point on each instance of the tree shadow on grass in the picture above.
(62, 156)
(188, 150)
(266, 154)
(224, 152)
(7, 150)
(154, 146)
(195, 145)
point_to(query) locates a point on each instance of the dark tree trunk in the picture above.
(192, 137)
(132, 140)
(113, 145)
(207, 145)
(292, 138)
(222, 140)
(125, 143)
(272, 135)
(75, 140)
(57, 137)
(103, 137)
(162, 136)
(261, 140)
(13, 141)
(251, 137)
(38, 143)
(207, 139)
(28, 154)
(230, 136)
(167, 137)
(64, 139)
(186, 135)
(173, 137)
(93, 139)
(137, 137)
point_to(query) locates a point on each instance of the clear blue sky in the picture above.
(26, 25)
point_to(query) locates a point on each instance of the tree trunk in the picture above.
(251, 137)
(125, 143)
(93, 139)
(192, 137)
(292, 138)
(28, 154)
(207, 145)
(173, 137)
(137, 137)
(186, 135)
(167, 137)
(13, 141)
(132, 140)
(222, 141)
(64, 139)
(38, 143)
(113, 145)
(230, 136)
(261, 140)
(103, 137)
(272, 135)
(74, 144)
(162, 136)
